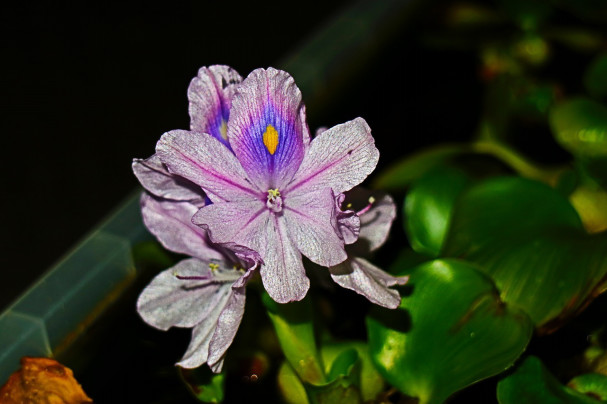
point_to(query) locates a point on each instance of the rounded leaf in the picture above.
(530, 241)
(532, 383)
(580, 126)
(428, 208)
(451, 330)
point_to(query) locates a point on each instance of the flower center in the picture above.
(274, 202)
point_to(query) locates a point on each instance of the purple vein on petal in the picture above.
(216, 175)
(309, 178)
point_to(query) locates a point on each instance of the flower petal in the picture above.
(250, 224)
(376, 223)
(226, 329)
(267, 128)
(233, 222)
(364, 278)
(203, 160)
(172, 302)
(339, 158)
(155, 178)
(283, 274)
(210, 95)
(348, 222)
(198, 350)
(311, 223)
(171, 223)
(377, 211)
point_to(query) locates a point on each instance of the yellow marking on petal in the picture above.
(270, 139)
(223, 130)
(214, 267)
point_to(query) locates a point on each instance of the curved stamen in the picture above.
(366, 208)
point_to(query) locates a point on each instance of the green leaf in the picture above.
(342, 384)
(371, 382)
(401, 174)
(205, 385)
(428, 207)
(595, 78)
(293, 323)
(530, 241)
(450, 331)
(590, 384)
(580, 126)
(532, 383)
(291, 386)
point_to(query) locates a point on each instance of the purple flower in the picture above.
(356, 273)
(272, 188)
(205, 292)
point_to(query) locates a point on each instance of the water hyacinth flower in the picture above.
(374, 222)
(272, 188)
(205, 292)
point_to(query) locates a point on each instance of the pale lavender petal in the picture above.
(155, 178)
(283, 273)
(171, 223)
(226, 329)
(210, 98)
(267, 128)
(203, 160)
(366, 279)
(197, 353)
(233, 222)
(172, 302)
(375, 224)
(339, 158)
(250, 224)
(348, 222)
(311, 223)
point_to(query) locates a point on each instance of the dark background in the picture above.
(89, 86)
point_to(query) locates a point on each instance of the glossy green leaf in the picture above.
(450, 331)
(428, 207)
(205, 385)
(342, 384)
(293, 323)
(371, 382)
(590, 384)
(595, 78)
(291, 386)
(532, 383)
(580, 126)
(530, 241)
(401, 174)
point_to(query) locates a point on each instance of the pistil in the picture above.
(274, 202)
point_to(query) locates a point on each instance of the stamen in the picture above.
(274, 202)
(366, 208)
(192, 278)
(214, 267)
